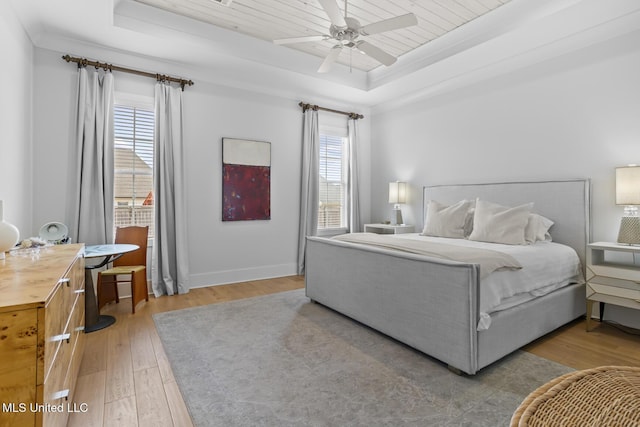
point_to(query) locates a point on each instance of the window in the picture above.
(133, 166)
(332, 208)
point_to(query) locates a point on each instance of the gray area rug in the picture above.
(280, 360)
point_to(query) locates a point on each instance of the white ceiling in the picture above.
(279, 19)
(514, 35)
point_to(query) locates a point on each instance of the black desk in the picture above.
(93, 320)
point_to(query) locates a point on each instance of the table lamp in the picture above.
(628, 194)
(397, 195)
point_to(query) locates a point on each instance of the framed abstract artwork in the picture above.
(246, 180)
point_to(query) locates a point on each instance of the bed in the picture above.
(434, 304)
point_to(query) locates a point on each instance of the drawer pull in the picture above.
(61, 337)
(60, 394)
(79, 291)
(80, 328)
(66, 280)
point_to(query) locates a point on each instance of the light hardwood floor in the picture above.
(125, 378)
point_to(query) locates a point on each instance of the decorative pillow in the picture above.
(537, 228)
(468, 220)
(446, 221)
(500, 224)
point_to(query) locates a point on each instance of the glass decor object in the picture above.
(9, 234)
(628, 195)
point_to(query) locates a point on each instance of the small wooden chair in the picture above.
(129, 268)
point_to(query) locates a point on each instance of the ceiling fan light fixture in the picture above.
(346, 30)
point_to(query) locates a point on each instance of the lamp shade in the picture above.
(397, 192)
(628, 185)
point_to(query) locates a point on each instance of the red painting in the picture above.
(246, 180)
(246, 192)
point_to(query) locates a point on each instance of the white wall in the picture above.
(219, 252)
(15, 120)
(574, 116)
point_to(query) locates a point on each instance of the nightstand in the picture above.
(388, 228)
(612, 276)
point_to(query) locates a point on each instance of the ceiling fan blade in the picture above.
(376, 53)
(330, 59)
(332, 10)
(302, 39)
(396, 23)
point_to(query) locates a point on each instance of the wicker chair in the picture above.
(602, 396)
(129, 268)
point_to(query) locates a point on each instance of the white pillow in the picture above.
(500, 224)
(468, 221)
(537, 228)
(446, 221)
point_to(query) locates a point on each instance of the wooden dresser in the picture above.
(41, 334)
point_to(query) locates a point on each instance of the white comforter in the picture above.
(488, 259)
(546, 266)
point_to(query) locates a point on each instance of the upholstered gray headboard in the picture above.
(566, 203)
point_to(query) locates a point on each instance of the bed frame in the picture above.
(432, 304)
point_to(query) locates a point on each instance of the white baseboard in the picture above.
(225, 277)
(242, 275)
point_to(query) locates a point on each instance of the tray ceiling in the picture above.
(277, 19)
(454, 49)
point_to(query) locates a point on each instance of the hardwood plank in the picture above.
(142, 352)
(179, 413)
(151, 399)
(573, 346)
(121, 412)
(119, 363)
(161, 357)
(90, 390)
(94, 358)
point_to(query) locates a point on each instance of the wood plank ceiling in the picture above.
(277, 19)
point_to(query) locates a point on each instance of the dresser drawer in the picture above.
(594, 289)
(72, 284)
(57, 330)
(59, 384)
(608, 293)
(615, 282)
(55, 321)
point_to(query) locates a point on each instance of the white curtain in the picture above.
(91, 178)
(170, 262)
(355, 220)
(309, 196)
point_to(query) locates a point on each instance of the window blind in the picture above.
(331, 212)
(133, 166)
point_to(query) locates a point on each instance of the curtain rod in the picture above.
(83, 62)
(354, 116)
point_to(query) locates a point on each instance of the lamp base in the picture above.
(396, 217)
(629, 233)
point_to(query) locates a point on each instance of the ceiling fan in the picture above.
(346, 31)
